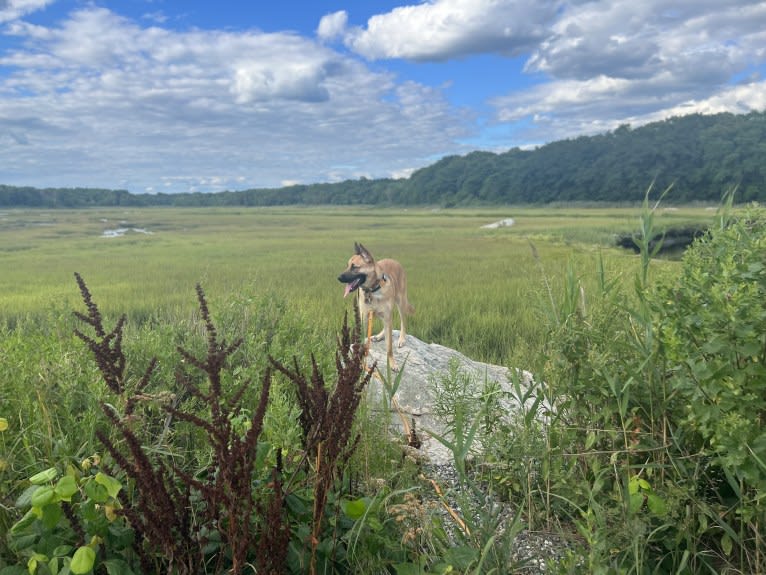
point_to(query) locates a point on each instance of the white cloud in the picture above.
(442, 29)
(332, 25)
(13, 9)
(609, 62)
(99, 99)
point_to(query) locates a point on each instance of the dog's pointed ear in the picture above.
(366, 255)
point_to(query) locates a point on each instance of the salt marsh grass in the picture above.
(270, 277)
(473, 289)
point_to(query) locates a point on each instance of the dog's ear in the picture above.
(362, 251)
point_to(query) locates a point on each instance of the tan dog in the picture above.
(382, 285)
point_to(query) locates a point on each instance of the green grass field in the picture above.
(474, 289)
(616, 467)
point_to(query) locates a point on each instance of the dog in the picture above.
(381, 285)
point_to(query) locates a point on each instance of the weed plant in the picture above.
(649, 447)
(640, 435)
(221, 499)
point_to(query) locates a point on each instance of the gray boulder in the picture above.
(422, 365)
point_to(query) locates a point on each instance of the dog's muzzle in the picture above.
(352, 282)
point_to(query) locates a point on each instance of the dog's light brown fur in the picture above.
(381, 286)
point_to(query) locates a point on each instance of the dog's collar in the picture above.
(377, 286)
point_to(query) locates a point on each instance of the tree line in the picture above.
(701, 156)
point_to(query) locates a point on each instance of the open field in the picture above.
(643, 461)
(474, 289)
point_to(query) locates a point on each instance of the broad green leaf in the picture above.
(3, 424)
(96, 492)
(355, 509)
(635, 501)
(656, 505)
(25, 499)
(42, 496)
(29, 518)
(62, 550)
(44, 476)
(51, 516)
(36, 559)
(66, 487)
(82, 560)
(112, 485)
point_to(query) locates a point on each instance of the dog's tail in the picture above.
(407, 308)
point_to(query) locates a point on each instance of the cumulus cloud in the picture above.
(443, 29)
(13, 9)
(99, 99)
(333, 25)
(608, 62)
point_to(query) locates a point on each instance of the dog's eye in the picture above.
(353, 266)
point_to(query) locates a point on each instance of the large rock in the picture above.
(422, 362)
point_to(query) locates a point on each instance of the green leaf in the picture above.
(44, 476)
(461, 557)
(82, 560)
(635, 501)
(96, 492)
(51, 516)
(355, 509)
(62, 550)
(66, 487)
(726, 544)
(112, 485)
(117, 567)
(29, 518)
(25, 499)
(42, 496)
(34, 561)
(656, 505)
(3, 424)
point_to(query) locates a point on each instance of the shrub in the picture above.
(655, 410)
(712, 325)
(151, 507)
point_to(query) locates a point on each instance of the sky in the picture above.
(166, 96)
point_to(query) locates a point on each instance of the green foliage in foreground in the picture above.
(652, 446)
(640, 440)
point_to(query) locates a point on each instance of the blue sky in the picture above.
(184, 95)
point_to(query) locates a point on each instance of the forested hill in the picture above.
(701, 156)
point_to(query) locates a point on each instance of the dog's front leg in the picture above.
(387, 328)
(379, 336)
(364, 317)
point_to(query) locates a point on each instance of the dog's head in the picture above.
(360, 270)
